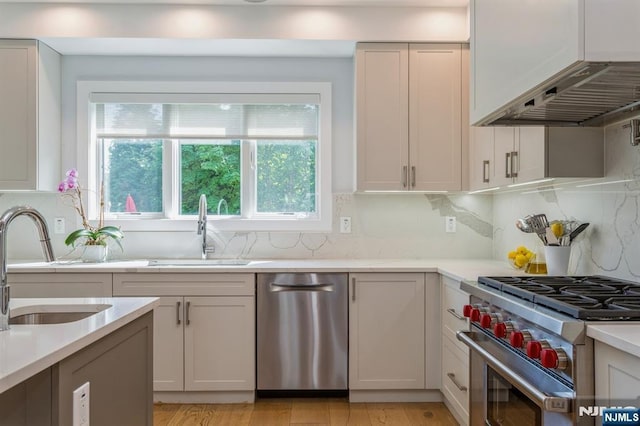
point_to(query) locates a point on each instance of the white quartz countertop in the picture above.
(25, 350)
(455, 268)
(623, 336)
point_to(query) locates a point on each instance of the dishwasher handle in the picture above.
(278, 287)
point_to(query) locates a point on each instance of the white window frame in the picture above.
(87, 154)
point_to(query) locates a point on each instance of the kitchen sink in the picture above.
(55, 314)
(199, 262)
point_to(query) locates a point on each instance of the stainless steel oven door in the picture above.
(506, 389)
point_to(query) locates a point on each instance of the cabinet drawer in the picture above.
(183, 284)
(60, 285)
(452, 302)
(455, 378)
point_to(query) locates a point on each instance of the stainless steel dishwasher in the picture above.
(302, 331)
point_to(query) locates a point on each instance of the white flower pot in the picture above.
(94, 254)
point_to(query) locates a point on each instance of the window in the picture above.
(261, 159)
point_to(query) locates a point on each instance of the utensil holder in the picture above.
(557, 259)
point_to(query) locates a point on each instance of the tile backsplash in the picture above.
(410, 226)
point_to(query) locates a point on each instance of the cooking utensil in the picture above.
(524, 226)
(541, 227)
(577, 231)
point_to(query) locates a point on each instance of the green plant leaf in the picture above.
(113, 232)
(79, 233)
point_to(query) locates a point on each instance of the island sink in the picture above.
(55, 314)
(38, 318)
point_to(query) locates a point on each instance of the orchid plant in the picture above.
(88, 235)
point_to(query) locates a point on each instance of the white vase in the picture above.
(94, 254)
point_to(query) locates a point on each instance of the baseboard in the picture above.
(238, 397)
(410, 395)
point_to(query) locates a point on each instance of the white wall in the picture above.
(384, 226)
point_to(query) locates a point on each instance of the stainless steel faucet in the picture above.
(202, 227)
(43, 230)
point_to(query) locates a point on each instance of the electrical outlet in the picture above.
(345, 225)
(450, 224)
(81, 403)
(58, 225)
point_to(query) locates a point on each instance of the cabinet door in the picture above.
(503, 147)
(18, 91)
(531, 153)
(481, 162)
(386, 331)
(382, 116)
(168, 357)
(617, 377)
(219, 343)
(435, 134)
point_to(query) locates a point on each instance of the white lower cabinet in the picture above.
(168, 347)
(219, 346)
(218, 336)
(455, 355)
(201, 342)
(386, 331)
(617, 377)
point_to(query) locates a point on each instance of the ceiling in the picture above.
(389, 3)
(195, 46)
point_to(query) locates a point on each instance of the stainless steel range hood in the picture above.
(588, 94)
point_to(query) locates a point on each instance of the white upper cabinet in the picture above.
(518, 47)
(513, 155)
(435, 130)
(29, 116)
(409, 116)
(481, 162)
(382, 99)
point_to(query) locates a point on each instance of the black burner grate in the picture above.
(582, 297)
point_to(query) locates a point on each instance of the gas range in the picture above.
(532, 330)
(590, 298)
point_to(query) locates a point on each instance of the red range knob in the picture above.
(466, 310)
(475, 314)
(500, 330)
(516, 339)
(533, 349)
(554, 358)
(549, 358)
(485, 320)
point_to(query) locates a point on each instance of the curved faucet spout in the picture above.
(6, 218)
(202, 226)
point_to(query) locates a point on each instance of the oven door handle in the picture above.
(558, 404)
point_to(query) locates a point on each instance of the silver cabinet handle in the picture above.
(178, 312)
(455, 314)
(187, 320)
(404, 176)
(353, 289)
(455, 382)
(485, 171)
(507, 165)
(514, 164)
(556, 403)
(413, 176)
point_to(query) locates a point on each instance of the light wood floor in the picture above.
(302, 412)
